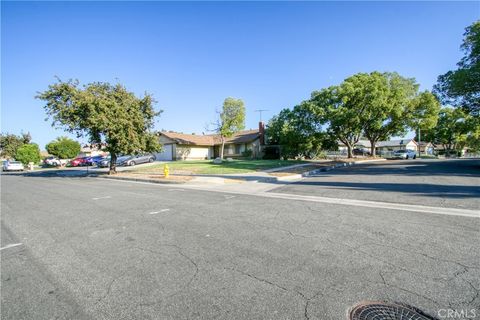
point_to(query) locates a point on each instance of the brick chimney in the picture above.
(261, 130)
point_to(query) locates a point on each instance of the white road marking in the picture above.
(99, 198)
(176, 189)
(375, 204)
(11, 246)
(229, 197)
(155, 212)
(337, 201)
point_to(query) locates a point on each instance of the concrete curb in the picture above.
(324, 169)
(271, 179)
(141, 180)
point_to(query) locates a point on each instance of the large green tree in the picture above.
(28, 152)
(231, 120)
(63, 148)
(345, 108)
(298, 131)
(9, 143)
(395, 105)
(423, 117)
(105, 113)
(461, 87)
(452, 129)
(388, 99)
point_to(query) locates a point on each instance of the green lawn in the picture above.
(208, 167)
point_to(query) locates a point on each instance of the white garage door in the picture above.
(166, 154)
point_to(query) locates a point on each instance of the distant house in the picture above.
(180, 146)
(91, 150)
(361, 144)
(393, 145)
(426, 148)
(383, 146)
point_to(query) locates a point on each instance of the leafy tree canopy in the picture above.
(299, 132)
(452, 129)
(9, 143)
(104, 113)
(461, 87)
(63, 148)
(232, 119)
(375, 105)
(28, 153)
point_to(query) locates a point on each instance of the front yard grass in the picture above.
(208, 167)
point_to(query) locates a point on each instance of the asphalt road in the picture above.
(446, 183)
(86, 248)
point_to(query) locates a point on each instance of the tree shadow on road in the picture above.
(423, 189)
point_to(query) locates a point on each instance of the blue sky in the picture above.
(192, 55)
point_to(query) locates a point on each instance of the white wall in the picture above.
(184, 152)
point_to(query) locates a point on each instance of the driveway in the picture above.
(438, 183)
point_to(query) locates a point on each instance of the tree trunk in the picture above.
(113, 163)
(373, 152)
(350, 151)
(222, 148)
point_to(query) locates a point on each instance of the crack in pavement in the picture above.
(303, 296)
(181, 253)
(387, 285)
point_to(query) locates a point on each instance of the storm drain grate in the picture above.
(375, 310)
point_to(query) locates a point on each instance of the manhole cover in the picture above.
(375, 310)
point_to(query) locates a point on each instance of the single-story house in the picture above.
(393, 145)
(180, 146)
(426, 148)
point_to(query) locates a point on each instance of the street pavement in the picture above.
(447, 183)
(91, 248)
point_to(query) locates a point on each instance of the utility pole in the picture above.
(260, 111)
(419, 139)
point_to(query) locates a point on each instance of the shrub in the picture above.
(63, 148)
(247, 153)
(28, 153)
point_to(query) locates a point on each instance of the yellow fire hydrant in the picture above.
(166, 171)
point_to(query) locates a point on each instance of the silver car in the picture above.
(136, 159)
(404, 154)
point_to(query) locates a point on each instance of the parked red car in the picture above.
(77, 162)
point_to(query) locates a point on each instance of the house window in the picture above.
(238, 148)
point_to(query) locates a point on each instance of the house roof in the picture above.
(181, 138)
(243, 137)
(394, 143)
(424, 144)
(211, 139)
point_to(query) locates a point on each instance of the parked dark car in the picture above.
(90, 161)
(361, 152)
(104, 163)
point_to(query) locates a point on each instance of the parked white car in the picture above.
(405, 154)
(12, 166)
(52, 161)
